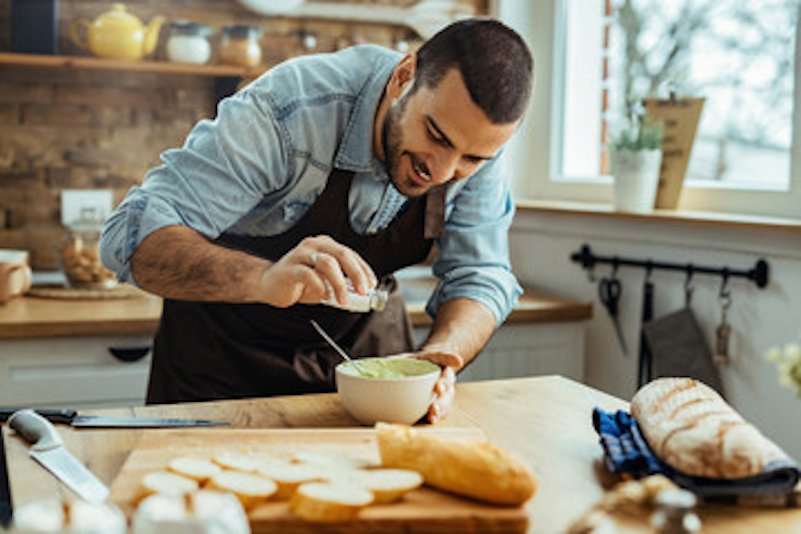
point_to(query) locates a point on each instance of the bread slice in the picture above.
(236, 461)
(195, 468)
(476, 469)
(327, 502)
(334, 461)
(689, 426)
(167, 483)
(249, 488)
(387, 485)
(288, 476)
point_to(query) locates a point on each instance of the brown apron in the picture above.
(217, 350)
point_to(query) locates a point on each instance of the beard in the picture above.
(392, 141)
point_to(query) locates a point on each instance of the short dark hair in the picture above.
(495, 63)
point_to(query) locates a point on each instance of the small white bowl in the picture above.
(370, 399)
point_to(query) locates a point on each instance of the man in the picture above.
(328, 170)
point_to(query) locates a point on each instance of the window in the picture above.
(602, 55)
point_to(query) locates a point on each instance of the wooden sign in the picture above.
(680, 118)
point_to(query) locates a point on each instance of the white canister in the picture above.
(636, 175)
(188, 43)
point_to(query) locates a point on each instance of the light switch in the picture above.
(75, 201)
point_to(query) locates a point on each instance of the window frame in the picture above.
(537, 146)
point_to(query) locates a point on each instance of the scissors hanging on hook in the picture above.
(609, 292)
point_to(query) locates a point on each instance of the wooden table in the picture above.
(547, 420)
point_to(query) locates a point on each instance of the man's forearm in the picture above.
(462, 326)
(179, 263)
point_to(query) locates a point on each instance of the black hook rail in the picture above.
(758, 274)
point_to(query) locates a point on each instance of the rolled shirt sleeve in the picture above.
(473, 260)
(225, 168)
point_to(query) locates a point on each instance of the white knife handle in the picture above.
(36, 430)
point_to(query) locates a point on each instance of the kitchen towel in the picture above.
(678, 348)
(626, 452)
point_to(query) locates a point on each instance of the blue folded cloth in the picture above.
(626, 451)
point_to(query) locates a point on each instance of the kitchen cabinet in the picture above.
(76, 353)
(76, 372)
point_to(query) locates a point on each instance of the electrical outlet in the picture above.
(74, 201)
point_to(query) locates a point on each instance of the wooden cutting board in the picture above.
(423, 510)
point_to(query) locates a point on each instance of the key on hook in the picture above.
(609, 290)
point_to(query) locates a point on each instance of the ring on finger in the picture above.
(313, 258)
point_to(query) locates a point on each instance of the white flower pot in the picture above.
(636, 175)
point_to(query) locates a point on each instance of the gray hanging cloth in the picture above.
(678, 348)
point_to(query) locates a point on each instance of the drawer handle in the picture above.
(129, 354)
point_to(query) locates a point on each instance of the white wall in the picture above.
(760, 318)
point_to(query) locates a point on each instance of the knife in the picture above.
(73, 418)
(48, 449)
(6, 507)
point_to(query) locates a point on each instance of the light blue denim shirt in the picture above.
(262, 163)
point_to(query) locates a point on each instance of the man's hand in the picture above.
(313, 270)
(445, 388)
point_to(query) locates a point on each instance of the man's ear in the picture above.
(403, 76)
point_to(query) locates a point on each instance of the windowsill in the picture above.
(669, 216)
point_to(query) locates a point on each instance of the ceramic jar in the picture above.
(239, 46)
(15, 274)
(188, 42)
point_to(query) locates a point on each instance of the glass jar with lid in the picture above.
(239, 46)
(79, 253)
(188, 42)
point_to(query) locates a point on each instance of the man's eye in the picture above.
(436, 139)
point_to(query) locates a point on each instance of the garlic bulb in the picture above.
(201, 512)
(78, 517)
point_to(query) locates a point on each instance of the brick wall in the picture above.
(74, 129)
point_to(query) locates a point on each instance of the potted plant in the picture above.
(635, 158)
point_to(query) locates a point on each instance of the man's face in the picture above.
(436, 135)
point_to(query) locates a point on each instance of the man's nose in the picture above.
(445, 167)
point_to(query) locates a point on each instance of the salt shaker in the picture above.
(375, 299)
(675, 513)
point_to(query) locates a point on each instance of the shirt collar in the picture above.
(356, 149)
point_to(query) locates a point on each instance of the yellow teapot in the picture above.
(116, 34)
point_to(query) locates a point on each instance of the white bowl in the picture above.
(392, 400)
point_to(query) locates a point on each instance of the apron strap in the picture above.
(435, 213)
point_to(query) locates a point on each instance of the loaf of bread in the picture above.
(476, 469)
(690, 427)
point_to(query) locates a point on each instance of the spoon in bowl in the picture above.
(335, 346)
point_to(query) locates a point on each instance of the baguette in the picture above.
(689, 426)
(475, 469)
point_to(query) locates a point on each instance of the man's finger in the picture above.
(443, 359)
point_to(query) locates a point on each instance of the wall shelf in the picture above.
(93, 63)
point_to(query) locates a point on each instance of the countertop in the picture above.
(545, 420)
(37, 317)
